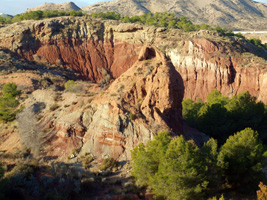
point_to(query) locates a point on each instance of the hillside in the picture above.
(231, 14)
(56, 6)
(105, 51)
(5, 15)
(91, 90)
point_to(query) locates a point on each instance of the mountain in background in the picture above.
(56, 6)
(231, 14)
(5, 15)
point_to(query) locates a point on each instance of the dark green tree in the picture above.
(8, 102)
(213, 120)
(221, 117)
(174, 169)
(182, 172)
(245, 111)
(10, 89)
(209, 156)
(145, 160)
(190, 111)
(241, 159)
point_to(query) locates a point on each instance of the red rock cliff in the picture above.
(88, 47)
(206, 65)
(142, 101)
(95, 48)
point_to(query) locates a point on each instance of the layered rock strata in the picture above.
(142, 101)
(100, 50)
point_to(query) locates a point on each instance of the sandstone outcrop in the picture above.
(85, 46)
(206, 65)
(141, 102)
(152, 70)
(100, 50)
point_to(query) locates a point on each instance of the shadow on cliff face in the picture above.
(258, 51)
(12, 62)
(232, 73)
(84, 48)
(172, 116)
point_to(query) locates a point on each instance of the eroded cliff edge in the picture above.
(206, 60)
(137, 105)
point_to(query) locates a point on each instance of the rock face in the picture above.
(143, 100)
(153, 70)
(100, 50)
(88, 47)
(204, 67)
(231, 14)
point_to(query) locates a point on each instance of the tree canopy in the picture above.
(241, 159)
(172, 168)
(178, 169)
(221, 116)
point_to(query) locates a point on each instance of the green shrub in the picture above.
(8, 102)
(157, 19)
(10, 89)
(69, 84)
(86, 160)
(109, 164)
(256, 42)
(37, 15)
(26, 168)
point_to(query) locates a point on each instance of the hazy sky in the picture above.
(19, 6)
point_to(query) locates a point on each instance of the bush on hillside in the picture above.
(10, 89)
(109, 164)
(8, 102)
(69, 84)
